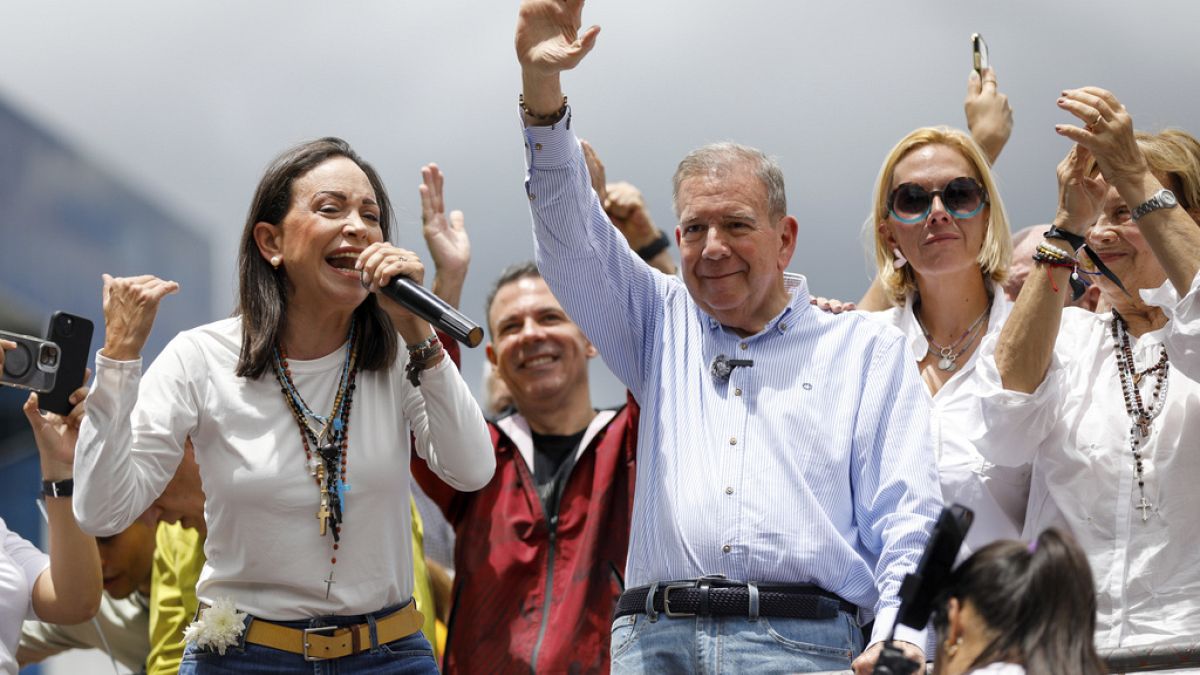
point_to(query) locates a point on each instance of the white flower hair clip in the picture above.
(218, 627)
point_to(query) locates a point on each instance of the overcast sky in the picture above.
(189, 100)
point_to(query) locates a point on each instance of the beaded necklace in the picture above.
(330, 438)
(950, 354)
(1141, 416)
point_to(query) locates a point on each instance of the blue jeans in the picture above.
(411, 655)
(734, 644)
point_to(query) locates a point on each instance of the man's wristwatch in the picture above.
(58, 488)
(1163, 199)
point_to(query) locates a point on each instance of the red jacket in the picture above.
(529, 596)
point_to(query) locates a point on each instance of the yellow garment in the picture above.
(178, 559)
(422, 587)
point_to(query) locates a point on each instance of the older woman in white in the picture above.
(1107, 406)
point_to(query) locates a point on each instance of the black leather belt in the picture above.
(721, 597)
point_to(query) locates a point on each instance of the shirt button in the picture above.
(744, 346)
(728, 490)
(783, 326)
(537, 146)
(532, 197)
(726, 548)
(733, 440)
(737, 391)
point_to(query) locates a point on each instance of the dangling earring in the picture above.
(275, 260)
(900, 260)
(952, 648)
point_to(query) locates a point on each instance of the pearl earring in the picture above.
(275, 260)
(900, 260)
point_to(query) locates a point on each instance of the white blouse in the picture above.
(997, 494)
(1076, 431)
(264, 548)
(21, 563)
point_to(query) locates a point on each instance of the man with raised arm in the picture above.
(785, 482)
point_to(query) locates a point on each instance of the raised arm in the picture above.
(625, 207)
(1027, 340)
(1172, 232)
(989, 116)
(113, 483)
(68, 591)
(548, 42)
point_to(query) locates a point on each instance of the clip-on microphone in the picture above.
(921, 587)
(722, 366)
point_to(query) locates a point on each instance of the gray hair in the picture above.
(716, 160)
(515, 272)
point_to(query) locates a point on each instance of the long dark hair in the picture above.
(262, 289)
(1038, 600)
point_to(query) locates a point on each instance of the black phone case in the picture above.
(73, 335)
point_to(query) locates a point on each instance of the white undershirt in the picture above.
(263, 547)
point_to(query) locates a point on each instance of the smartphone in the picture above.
(979, 51)
(32, 365)
(73, 335)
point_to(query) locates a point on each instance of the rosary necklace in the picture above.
(329, 436)
(1141, 416)
(950, 354)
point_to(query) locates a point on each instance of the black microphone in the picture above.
(413, 297)
(722, 366)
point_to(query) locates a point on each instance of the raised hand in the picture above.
(446, 237)
(548, 38)
(130, 305)
(1107, 133)
(54, 434)
(548, 42)
(626, 208)
(1079, 195)
(989, 116)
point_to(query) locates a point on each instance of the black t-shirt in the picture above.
(553, 457)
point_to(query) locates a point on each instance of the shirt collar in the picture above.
(797, 286)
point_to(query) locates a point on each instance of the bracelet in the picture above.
(58, 488)
(420, 356)
(548, 119)
(1047, 252)
(1075, 241)
(655, 247)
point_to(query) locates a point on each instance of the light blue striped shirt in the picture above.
(813, 466)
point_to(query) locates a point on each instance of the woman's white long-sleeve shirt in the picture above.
(997, 494)
(264, 548)
(1075, 430)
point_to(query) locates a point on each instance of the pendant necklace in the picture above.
(1141, 417)
(950, 354)
(328, 436)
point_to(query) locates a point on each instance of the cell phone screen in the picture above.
(979, 51)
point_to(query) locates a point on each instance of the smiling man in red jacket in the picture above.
(540, 550)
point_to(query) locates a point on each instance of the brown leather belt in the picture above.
(333, 642)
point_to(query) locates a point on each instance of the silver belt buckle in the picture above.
(667, 600)
(318, 629)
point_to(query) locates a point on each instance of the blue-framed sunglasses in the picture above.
(963, 197)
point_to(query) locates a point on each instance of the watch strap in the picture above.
(58, 488)
(655, 247)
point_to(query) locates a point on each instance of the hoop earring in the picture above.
(900, 260)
